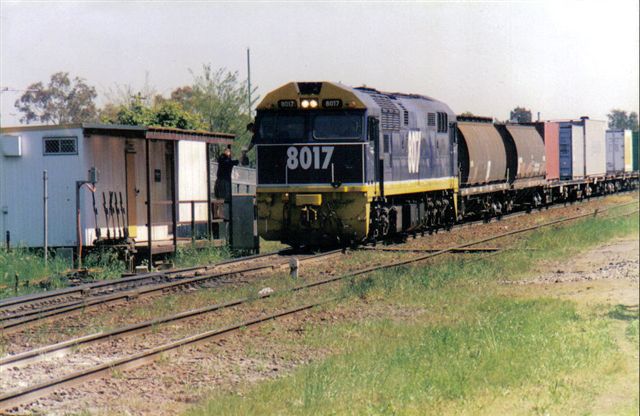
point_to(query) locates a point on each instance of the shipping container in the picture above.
(615, 151)
(571, 150)
(482, 154)
(525, 151)
(635, 150)
(551, 131)
(628, 151)
(595, 153)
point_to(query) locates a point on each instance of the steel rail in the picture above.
(14, 398)
(81, 289)
(66, 309)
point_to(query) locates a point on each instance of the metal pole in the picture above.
(249, 79)
(78, 232)
(209, 219)
(149, 220)
(174, 196)
(193, 221)
(45, 213)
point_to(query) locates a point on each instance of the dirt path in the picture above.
(603, 282)
(606, 274)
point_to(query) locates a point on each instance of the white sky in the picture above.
(563, 59)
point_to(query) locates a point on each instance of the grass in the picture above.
(467, 347)
(24, 271)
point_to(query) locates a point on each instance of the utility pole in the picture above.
(249, 79)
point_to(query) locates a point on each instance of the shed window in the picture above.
(443, 122)
(60, 145)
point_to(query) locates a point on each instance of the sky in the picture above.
(560, 58)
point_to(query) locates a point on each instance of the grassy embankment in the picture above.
(469, 346)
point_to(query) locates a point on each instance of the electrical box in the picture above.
(244, 226)
(11, 146)
(94, 175)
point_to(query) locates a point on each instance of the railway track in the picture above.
(73, 300)
(18, 313)
(14, 398)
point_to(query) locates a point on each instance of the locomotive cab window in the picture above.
(443, 122)
(281, 128)
(337, 126)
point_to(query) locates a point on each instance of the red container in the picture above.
(552, 149)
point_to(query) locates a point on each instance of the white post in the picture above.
(293, 266)
(45, 213)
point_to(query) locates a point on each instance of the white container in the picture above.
(595, 154)
(615, 151)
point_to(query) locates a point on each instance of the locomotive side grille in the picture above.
(405, 114)
(390, 117)
(390, 120)
(431, 119)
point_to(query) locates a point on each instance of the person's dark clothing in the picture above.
(222, 188)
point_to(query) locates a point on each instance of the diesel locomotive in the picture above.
(337, 164)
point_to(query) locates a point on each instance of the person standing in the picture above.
(222, 187)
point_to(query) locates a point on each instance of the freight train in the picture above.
(342, 165)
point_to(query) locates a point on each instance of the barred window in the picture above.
(60, 145)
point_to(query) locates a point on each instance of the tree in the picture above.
(520, 115)
(220, 98)
(618, 119)
(163, 113)
(62, 101)
(467, 114)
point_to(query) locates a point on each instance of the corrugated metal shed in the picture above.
(483, 157)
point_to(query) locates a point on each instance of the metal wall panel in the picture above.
(22, 178)
(192, 180)
(244, 223)
(595, 154)
(482, 153)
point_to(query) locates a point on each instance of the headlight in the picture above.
(313, 103)
(305, 104)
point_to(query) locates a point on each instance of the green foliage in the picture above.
(619, 119)
(216, 101)
(188, 256)
(31, 271)
(163, 113)
(63, 101)
(219, 97)
(520, 115)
